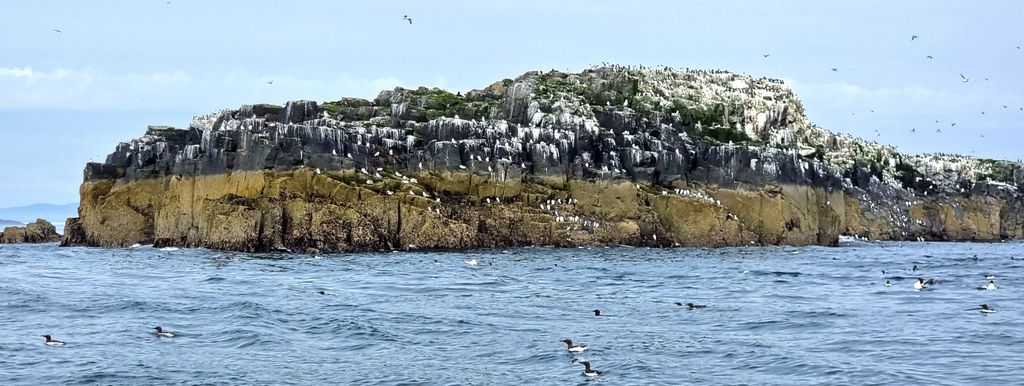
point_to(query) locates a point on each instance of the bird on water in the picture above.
(574, 347)
(161, 332)
(589, 371)
(53, 342)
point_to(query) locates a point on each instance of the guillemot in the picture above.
(160, 332)
(923, 283)
(695, 306)
(52, 342)
(888, 283)
(986, 309)
(589, 371)
(576, 347)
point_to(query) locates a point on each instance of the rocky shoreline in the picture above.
(611, 155)
(36, 232)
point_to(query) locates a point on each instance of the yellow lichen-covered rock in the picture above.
(612, 154)
(39, 231)
(301, 210)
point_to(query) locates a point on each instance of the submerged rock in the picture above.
(39, 231)
(610, 155)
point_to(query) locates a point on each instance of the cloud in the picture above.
(27, 88)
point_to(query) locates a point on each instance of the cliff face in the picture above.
(610, 155)
(39, 231)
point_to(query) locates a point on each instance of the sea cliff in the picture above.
(611, 155)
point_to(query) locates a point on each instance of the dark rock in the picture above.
(659, 127)
(39, 231)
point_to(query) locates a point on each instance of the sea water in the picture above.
(774, 315)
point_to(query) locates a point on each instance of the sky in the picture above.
(117, 66)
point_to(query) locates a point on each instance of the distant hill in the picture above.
(8, 223)
(50, 212)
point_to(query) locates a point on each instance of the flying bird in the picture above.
(767, 55)
(58, 31)
(271, 82)
(912, 37)
(835, 69)
(929, 57)
(965, 80)
(407, 18)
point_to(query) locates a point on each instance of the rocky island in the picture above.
(39, 231)
(610, 155)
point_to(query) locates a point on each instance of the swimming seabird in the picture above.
(914, 269)
(693, 306)
(923, 283)
(986, 309)
(919, 284)
(589, 371)
(574, 347)
(160, 332)
(597, 312)
(472, 262)
(888, 283)
(52, 342)
(990, 286)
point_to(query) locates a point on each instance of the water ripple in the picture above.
(775, 315)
